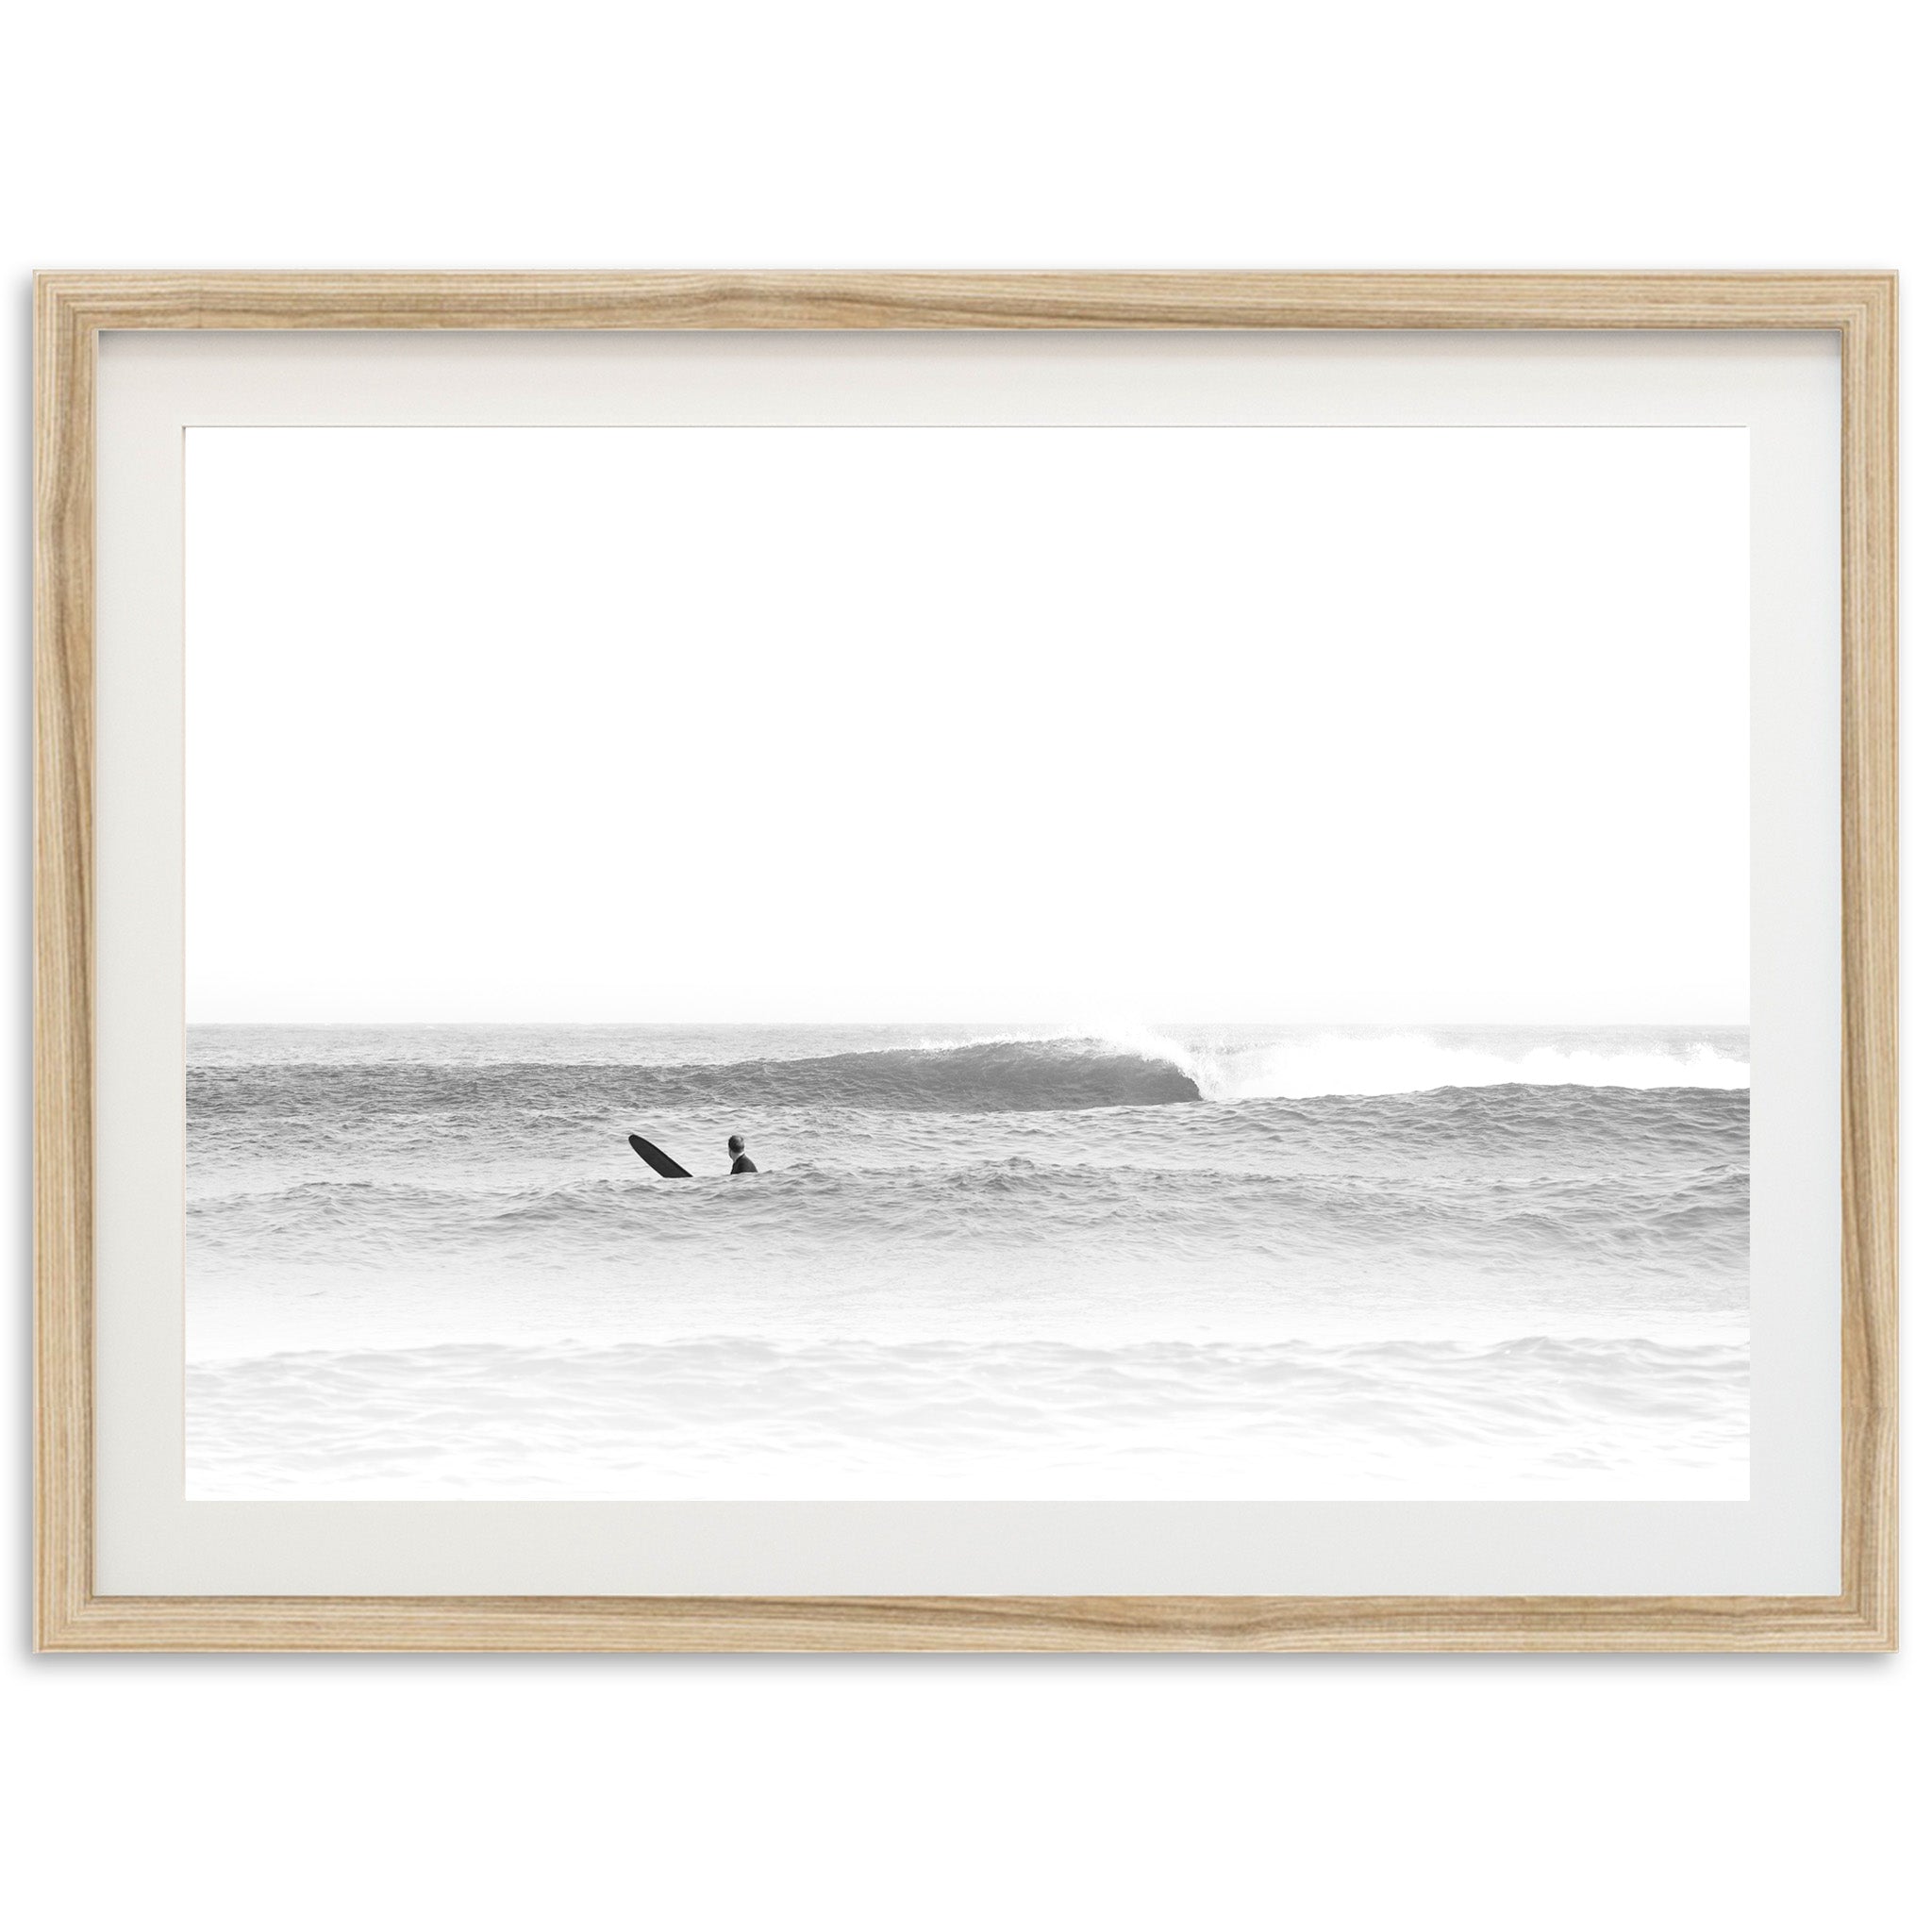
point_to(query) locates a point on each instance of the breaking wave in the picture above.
(1339, 1063)
(984, 1076)
(1058, 1073)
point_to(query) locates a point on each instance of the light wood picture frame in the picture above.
(72, 312)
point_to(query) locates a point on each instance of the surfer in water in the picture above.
(742, 1163)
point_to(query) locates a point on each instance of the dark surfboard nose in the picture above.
(657, 1161)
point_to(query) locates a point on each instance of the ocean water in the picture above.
(994, 1262)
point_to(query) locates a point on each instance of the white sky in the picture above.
(1095, 725)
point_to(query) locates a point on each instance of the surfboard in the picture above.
(658, 1159)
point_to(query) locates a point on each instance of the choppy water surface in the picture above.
(423, 1261)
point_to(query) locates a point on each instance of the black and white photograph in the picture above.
(963, 962)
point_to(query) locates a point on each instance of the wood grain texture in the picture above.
(968, 1623)
(71, 309)
(820, 301)
(1869, 1083)
(63, 962)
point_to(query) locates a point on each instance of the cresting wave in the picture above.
(1063, 1073)
(1336, 1063)
(986, 1076)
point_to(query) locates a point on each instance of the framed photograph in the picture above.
(966, 963)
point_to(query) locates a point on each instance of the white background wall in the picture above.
(1346, 1791)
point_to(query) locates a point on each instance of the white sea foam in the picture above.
(716, 1418)
(1411, 1063)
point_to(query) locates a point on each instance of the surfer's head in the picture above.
(736, 1144)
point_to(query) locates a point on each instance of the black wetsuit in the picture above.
(743, 1164)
